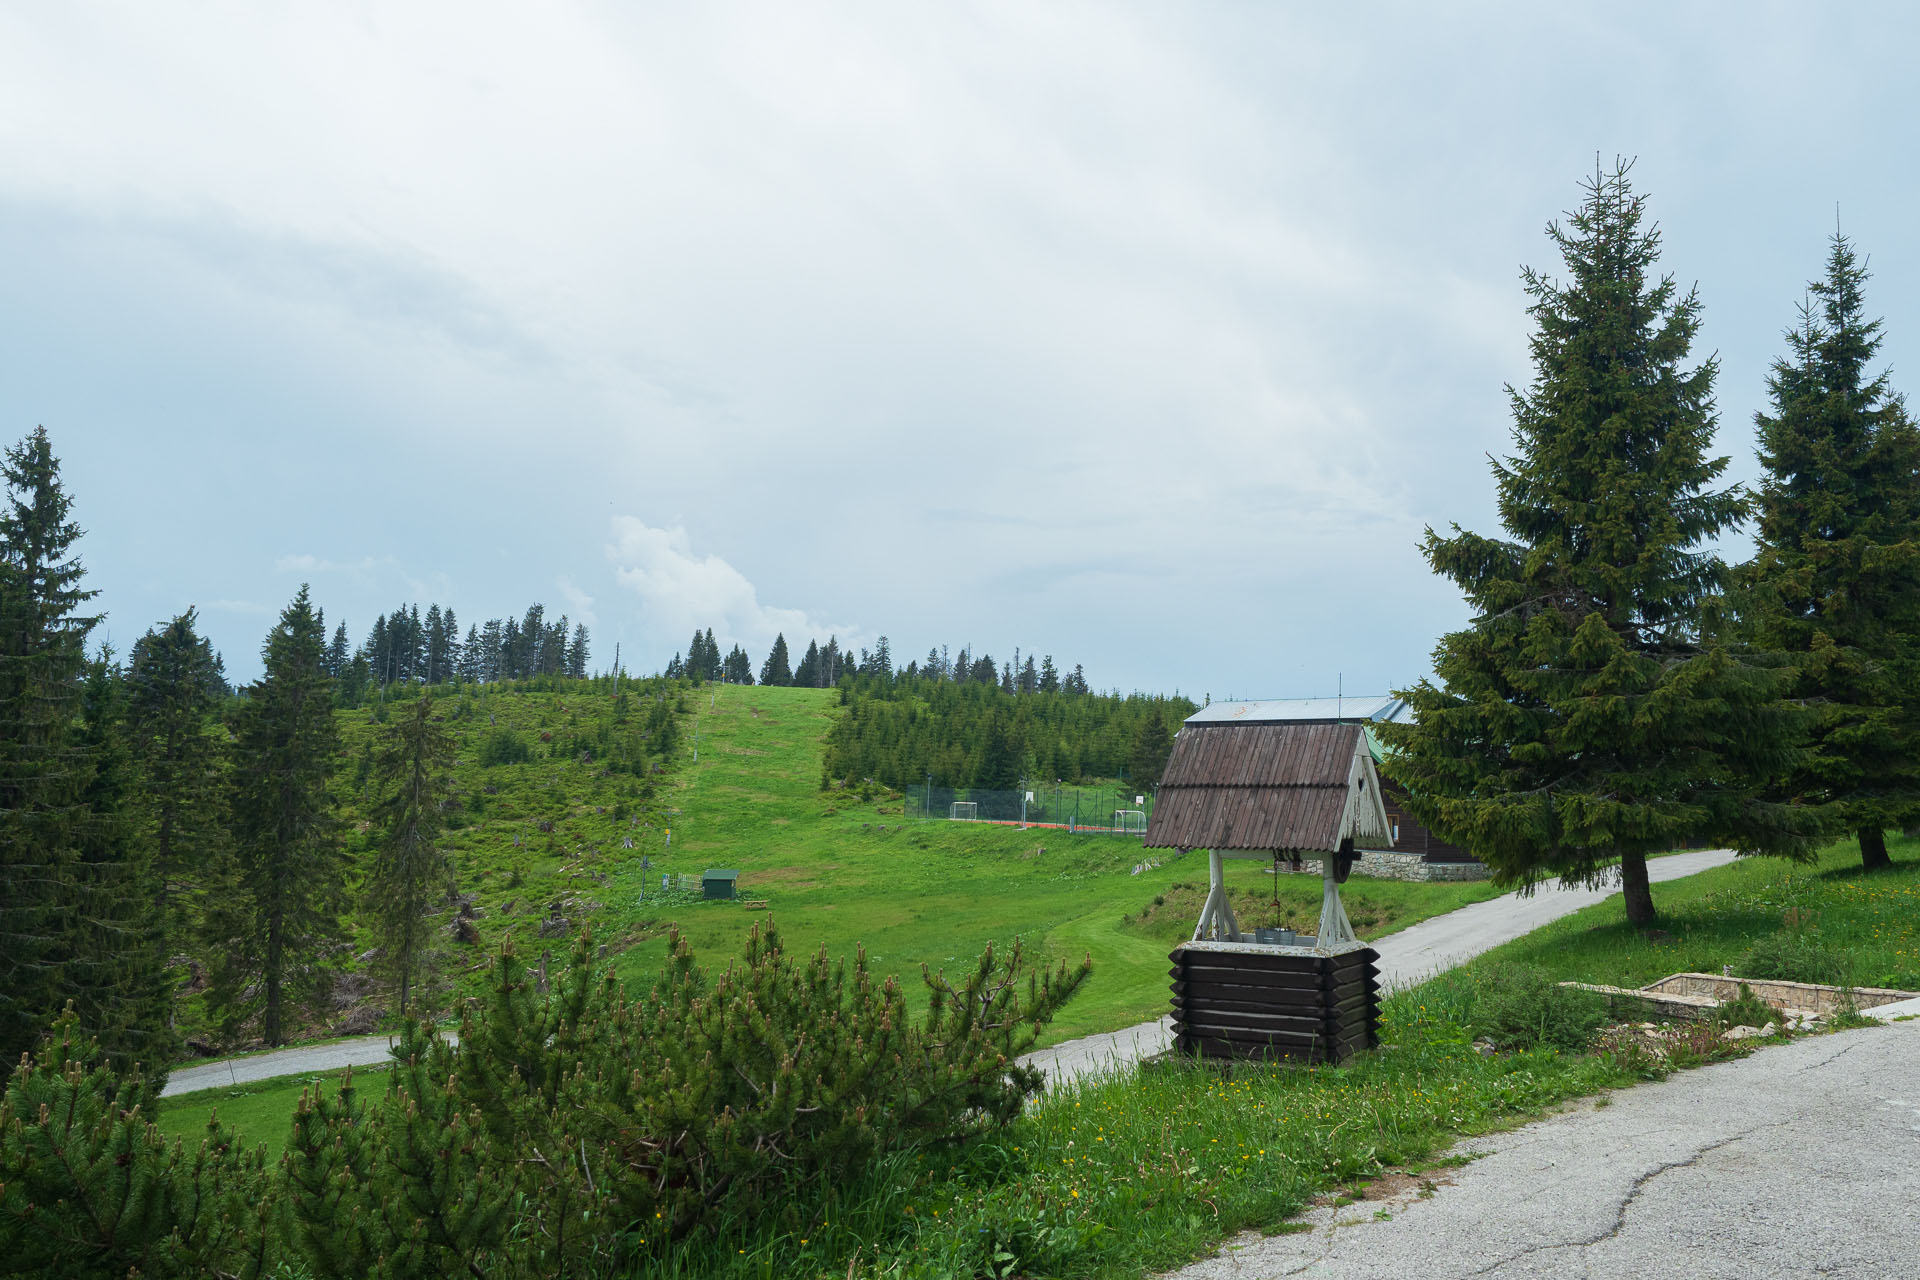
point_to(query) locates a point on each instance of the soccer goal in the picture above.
(1130, 821)
(965, 811)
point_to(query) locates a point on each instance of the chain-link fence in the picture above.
(1114, 810)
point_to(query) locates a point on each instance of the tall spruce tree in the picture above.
(115, 967)
(75, 920)
(339, 652)
(43, 774)
(1592, 710)
(182, 807)
(776, 670)
(410, 876)
(289, 863)
(577, 653)
(1835, 578)
(807, 674)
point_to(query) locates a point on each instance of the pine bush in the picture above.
(573, 1127)
(90, 1188)
(1519, 1007)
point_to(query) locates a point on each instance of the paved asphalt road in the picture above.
(1405, 957)
(1802, 1160)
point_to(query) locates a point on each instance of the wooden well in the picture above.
(1251, 1000)
(1285, 791)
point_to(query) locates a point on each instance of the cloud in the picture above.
(304, 563)
(681, 590)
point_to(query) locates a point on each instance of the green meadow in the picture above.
(846, 873)
(1818, 921)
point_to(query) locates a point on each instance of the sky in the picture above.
(1148, 336)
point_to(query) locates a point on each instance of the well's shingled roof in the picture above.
(1256, 786)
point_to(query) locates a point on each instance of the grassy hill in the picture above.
(544, 840)
(835, 869)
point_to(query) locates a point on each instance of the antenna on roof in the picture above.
(1340, 697)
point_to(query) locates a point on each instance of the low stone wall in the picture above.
(1811, 996)
(1696, 997)
(1409, 866)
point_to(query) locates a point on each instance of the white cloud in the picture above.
(304, 563)
(680, 590)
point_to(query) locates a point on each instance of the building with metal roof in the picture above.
(1406, 838)
(1342, 710)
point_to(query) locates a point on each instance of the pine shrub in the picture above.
(1518, 1007)
(1746, 1010)
(89, 1186)
(504, 746)
(576, 1128)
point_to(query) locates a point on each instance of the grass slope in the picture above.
(845, 873)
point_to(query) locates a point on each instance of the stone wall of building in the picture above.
(1404, 866)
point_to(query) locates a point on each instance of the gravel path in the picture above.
(307, 1060)
(1802, 1160)
(1405, 957)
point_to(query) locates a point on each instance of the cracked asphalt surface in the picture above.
(1801, 1160)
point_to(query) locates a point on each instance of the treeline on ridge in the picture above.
(407, 648)
(961, 720)
(903, 730)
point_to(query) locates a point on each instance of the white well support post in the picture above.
(1217, 922)
(1334, 925)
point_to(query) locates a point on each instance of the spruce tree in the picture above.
(577, 653)
(1835, 578)
(435, 646)
(410, 875)
(115, 962)
(44, 773)
(1152, 745)
(289, 865)
(473, 658)
(553, 648)
(807, 674)
(450, 658)
(1593, 711)
(181, 803)
(776, 670)
(339, 652)
(378, 656)
(1002, 751)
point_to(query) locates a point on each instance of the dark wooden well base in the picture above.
(1242, 1000)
